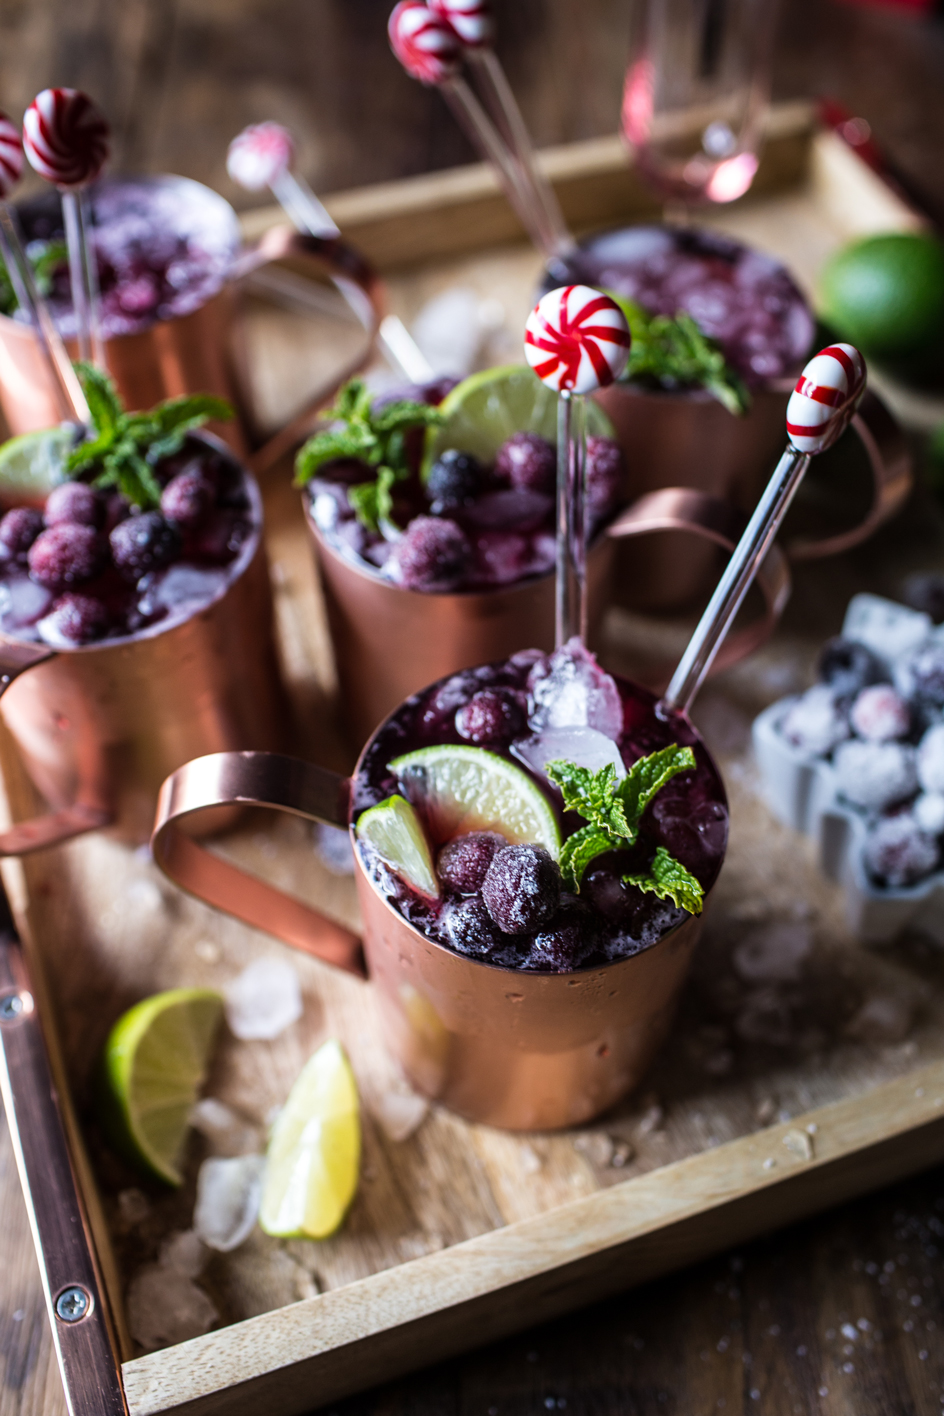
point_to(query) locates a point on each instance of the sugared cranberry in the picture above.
(75, 501)
(432, 554)
(567, 941)
(522, 888)
(144, 543)
(187, 499)
(469, 929)
(79, 618)
(67, 555)
(605, 475)
(455, 479)
(18, 530)
(849, 667)
(880, 713)
(463, 863)
(493, 715)
(527, 460)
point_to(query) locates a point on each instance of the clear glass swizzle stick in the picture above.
(576, 340)
(67, 140)
(819, 410)
(261, 157)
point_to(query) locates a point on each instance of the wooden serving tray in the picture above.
(803, 1069)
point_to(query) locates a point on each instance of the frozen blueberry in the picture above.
(18, 530)
(75, 501)
(144, 543)
(816, 722)
(931, 759)
(849, 667)
(880, 713)
(187, 499)
(605, 476)
(875, 775)
(455, 479)
(469, 929)
(898, 852)
(432, 554)
(522, 888)
(66, 555)
(78, 618)
(463, 863)
(490, 716)
(527, 461)
(923, 676)
(568, 941)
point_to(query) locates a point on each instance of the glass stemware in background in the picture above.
(696, 90)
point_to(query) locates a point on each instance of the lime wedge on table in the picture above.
(314, 1154)
(154, 1063)
(393, 829)
(33, 463)
(461, 789)
(485, 409)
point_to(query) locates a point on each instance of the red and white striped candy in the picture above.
(260, 154)
(425, 44)
(472, 20)
(576, 339)
(825, 398)
(66, 138)
(11, 156)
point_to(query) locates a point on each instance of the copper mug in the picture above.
(519, 1050)
(100, 725)
(390, 642)
(200, 351)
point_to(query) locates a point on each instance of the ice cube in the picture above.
(875, 775)
(183, 1252)
(928, 810)
(263, 1000)
(570, 690)
(228, 1133)
(166, 1307)
(888, 629)
(333, 847)
(584, 746)
(450, 329)
(401, 1113)
(228, 1196)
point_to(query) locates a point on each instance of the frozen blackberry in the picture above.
(463, 863)
(469, 929)
(455, 479)
(605, 476)
(67, 555)
(432, 554)
(529, 462)
(490, 716)
(875, 775)
(568, 941)
(898, 852)
(522, 888)
(880, 713)
(816, 722)
(848, 667)
(144, 543)
(923, 676)
(78, 618)
(187, 499)
(18, 530)
(75, 501)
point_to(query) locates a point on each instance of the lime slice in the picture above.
(315, 1150)
(32, 464)
(393, 829)
(154, 1063)
(461, 789)
(485, 409)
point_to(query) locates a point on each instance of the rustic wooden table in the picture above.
(840, 1316)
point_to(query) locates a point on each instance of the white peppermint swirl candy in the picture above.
(259, 155)
(65, 137)
(825, 398)
(472, 20)
(425, 44)
(576, 339)
(11, 156)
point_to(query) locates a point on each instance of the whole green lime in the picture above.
(885, 294)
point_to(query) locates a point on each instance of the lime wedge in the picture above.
(32, 464)
(485, 409)
(315, 1150)
(461, 789)
(394, 830)
(154, 1063)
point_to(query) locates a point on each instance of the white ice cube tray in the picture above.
(801, 790)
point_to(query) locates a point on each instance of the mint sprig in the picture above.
(45, 257)
(127, 446)
(676, 353)
(613, 811)
(376, 438)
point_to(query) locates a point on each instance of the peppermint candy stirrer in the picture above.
(62, 376)
(67, 140)
(576, 340)
(820, 409)
(261, 156)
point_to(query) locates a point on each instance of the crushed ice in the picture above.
(585, 746)
(164, 1305)
(263, 1000)
(401, 1113)
(333, 848)
(570, 690)
(227, 1133)
(228, 1196)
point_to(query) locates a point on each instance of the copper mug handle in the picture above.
(279, 783)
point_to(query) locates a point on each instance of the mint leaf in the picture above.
(579, 850)
(676, 353)
(101, 397)
(372, 501)
(354, 442)
(668, 879)
(648, 775)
